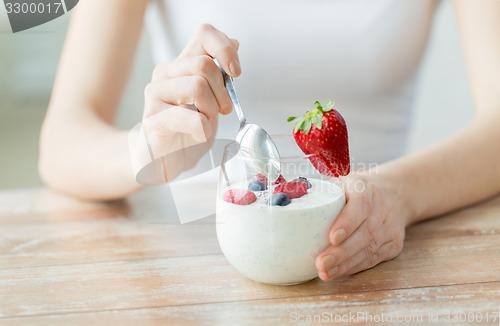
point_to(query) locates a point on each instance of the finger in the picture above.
(172, 135)
(386, 252)
(187, 90)
(175, 120)
(337, 271)
(361, 257)
(356, 210)
(324, 276)
(201, 65)
(210, 41)
(366, 240)
(236, 43)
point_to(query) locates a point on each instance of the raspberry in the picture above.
(280, 179)
(239, 196)
(294, 189)
(262, 178)
(309, 184)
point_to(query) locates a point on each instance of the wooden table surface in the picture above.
(68, 262)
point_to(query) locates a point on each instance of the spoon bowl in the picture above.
(254, 137)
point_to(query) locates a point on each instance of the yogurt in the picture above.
(279, 244)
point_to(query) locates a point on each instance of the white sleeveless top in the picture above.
(363, 54)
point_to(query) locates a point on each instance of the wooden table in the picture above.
(68, 262)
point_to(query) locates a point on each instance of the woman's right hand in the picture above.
(184, 98)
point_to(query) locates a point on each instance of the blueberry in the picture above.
(309, 185)
(257, 186)
(280, 199)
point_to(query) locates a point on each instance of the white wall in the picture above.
(443, 103)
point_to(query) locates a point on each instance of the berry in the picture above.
(262, 178)
(239, 196)
(280, 179)
(308, 183)
(322, 132)
(294, 189)
(257, 186)
(280, 199)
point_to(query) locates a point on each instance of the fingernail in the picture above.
(329, 262)
(332, 272)
(227, 111)
(338, 237)
(234, 68)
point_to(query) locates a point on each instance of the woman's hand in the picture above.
(369, 230)
(184, 98)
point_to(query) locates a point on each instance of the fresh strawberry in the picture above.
(322, 132)
(280, 179)
(294, 189)
(239, 196)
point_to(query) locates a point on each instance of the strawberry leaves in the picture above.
(310, 118)
(324, 108)
(322, 133)
(318, 122)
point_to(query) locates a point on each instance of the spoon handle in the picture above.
(228, 81)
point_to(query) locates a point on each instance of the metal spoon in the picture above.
(253, 138)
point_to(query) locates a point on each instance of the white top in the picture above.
(363, 54)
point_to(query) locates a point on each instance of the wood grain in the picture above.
(63, 261)
(209, 278)
(443, 305)
(101, 241)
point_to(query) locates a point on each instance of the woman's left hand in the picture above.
(370, 229)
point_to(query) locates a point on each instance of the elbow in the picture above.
(46, 168)
(44, 171)
(53, 176)
(49, 169)
(54, 168)
(48, 173)
(57, 173)
(66, 165)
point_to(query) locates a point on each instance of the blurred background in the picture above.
(28, 63)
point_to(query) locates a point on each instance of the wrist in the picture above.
(399, 191)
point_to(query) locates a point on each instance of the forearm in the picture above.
(457, 172)
(83, 156)
(81, 153)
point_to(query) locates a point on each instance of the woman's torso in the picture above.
(363, 54)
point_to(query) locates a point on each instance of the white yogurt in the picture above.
(275, 244)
